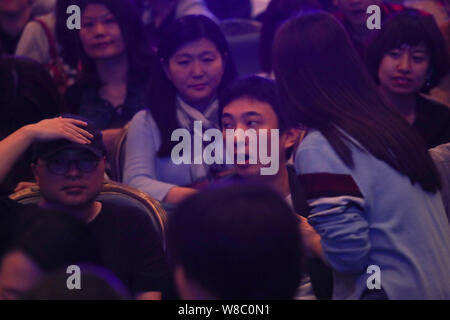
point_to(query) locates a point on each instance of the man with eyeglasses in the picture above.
(69, 166)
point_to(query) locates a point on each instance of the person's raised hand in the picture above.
(60, 128)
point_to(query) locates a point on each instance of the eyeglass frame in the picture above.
(69, 163)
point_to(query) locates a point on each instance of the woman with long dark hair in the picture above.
(371, 184)
(116, 60)
(407, 58)
(195, 65)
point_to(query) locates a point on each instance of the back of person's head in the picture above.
(239, 242)
(27, 94)
(254, 88)
(162, 92)
(277, 12)
(97, 283)
(134, 36)
(324, 84)
(411, 28)
(44, 241)
(55, 239)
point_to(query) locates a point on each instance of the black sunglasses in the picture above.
(62, 166)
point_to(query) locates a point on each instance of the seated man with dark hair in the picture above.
(253, 103)
(69, 167)
(239, 242)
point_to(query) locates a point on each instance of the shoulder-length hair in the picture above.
(134, 36)
(324, 85)
(162, 93)
(411, 28)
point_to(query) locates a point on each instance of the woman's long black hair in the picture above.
(325, 85)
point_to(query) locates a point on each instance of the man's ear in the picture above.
(290, 137)
(166, 69)
(34, 168)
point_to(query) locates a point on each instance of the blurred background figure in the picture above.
(14, 15)
(239, 242)
(276, 14)
(409, 57)
(47, 40)
(27, 95)
(45, 241)
(230, 8)
(41, 7)
(441, 156)
(442, 91)
(352, 14)
(440, 9)
(156, 14)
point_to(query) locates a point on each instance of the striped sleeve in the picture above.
(337, 209)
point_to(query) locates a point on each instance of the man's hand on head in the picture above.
(59, 128)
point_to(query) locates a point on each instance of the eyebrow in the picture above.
(251, 113)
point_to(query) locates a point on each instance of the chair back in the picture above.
(115, 194)
(117, 157)
(243, 37)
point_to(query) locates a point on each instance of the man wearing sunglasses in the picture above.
(70, 175)
(69, 166)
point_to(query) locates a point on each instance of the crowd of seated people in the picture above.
(356, 119)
